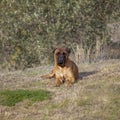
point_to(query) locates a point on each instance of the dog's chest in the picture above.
(62, 72)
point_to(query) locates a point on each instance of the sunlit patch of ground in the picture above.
(94, 97)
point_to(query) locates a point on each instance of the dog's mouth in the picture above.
(61, 60)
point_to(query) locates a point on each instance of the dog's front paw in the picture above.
(43, 76)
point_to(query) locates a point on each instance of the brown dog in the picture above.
(64, 69)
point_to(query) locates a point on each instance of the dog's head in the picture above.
(61, 56)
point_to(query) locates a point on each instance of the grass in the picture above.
(11, 97)
(94, 97)
(83, 102)
(61, 104)
(113, 108)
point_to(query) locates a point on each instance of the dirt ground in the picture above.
(95, 96)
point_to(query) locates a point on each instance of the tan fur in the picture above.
(68, 73)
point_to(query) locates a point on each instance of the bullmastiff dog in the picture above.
(64, 70)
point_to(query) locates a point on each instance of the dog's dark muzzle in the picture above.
(61, 60)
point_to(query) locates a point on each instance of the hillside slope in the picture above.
(94, 97)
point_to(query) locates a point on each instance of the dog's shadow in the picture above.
(86, 74)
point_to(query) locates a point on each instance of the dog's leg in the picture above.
(70, 81)
(57, 83)
(50, 75)
(58, 80)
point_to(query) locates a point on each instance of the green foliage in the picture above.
(30, 28)
(10, 98)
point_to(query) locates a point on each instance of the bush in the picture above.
(31, 28)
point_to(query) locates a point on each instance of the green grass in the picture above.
(11, 97)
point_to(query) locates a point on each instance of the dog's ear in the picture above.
(68, 50)
(54, 49)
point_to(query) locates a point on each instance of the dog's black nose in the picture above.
(61, 59)
(60, 62)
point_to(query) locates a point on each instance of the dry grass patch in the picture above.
(94, 97)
